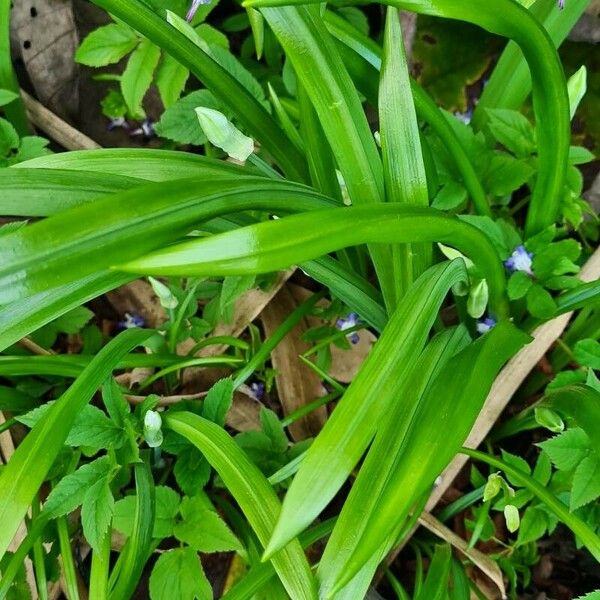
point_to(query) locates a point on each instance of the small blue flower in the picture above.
(194, 7)
(258, 389)
(485, 325)
(520, 260)
(349, 322)
(146, 129)
(131, 321)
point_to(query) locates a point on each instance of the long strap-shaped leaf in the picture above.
(382, 456)
(434, 434)
(252, 492)
(28, 466)
(403, 168)
(249, 112)
(142, 163)
(347, 433)
(550, 100)
(274, 245)
(362, 57)
(318, 66)
(91, 237)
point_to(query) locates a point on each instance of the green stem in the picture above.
(68, 565)
(308, 408)
(38, 556)
(15, 111)
(581, 529)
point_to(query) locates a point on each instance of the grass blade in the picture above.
(252, 492)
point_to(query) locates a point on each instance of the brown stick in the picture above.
(54, 127)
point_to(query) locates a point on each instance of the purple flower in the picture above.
(118, 123)
(194, 7)
(349, 322)
(258, 389)
(131, 321)
(146, 129)
(485, 325)
(520, 260)
(561, 4)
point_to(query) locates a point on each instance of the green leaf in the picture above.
(71, 490)
(587, 353)
(134, 555)
(586, 482)
(179, 123)
(518, 285)
(91, 428)
(107, 45)
(27, 468)
(539, 302)
(549, 419)
(568, 449)
(578, 155)
(233, 288)
(205, 531)
(435, 586)
(218, 401)
(167, 507)
(274, 245)
(170, 79)
(350, 428)
(224, 134)
(253, 493)
(137, 76)
(273, 429)
(97, 512)
(506, 174)
(577, 86)
(7, 96)
(9, 138)
(74, 320)
(192, 471)
(513, 130)
(178, 574)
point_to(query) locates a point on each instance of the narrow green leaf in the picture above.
(130, 564)
(252, 492)
(27, 468)
(275, 245)
(435, 586)
(403, 168)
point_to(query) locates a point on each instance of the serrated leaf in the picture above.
(273, 429)
(178, 574)
(568, 449)
(586, 482)
(506, 174)
(205, 531)
(218, 401)
(171, 77)
(74, 320)
(167, 506)
(191, 470)
(137, 76)
(96, 512)
(70, 491)
(106, 45)
(9, 138)
(513, 130)
(540, 303)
